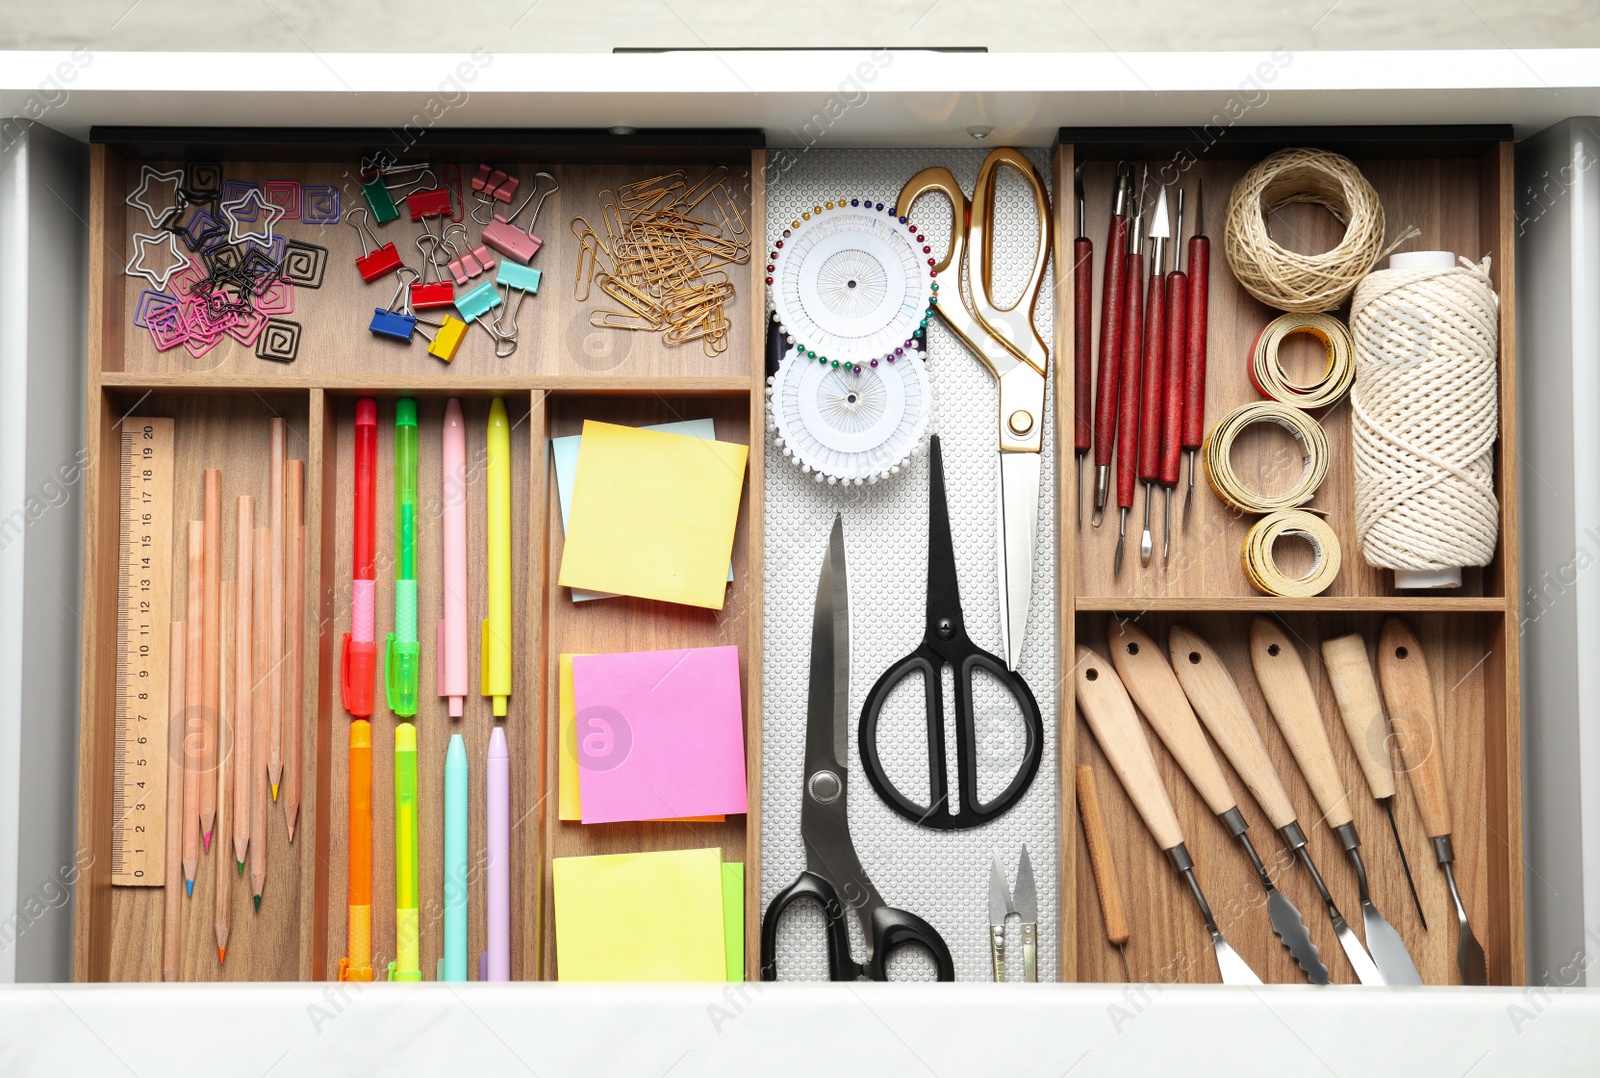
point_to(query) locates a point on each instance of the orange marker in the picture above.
(358, 966)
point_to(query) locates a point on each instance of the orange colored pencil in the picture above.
(243, 677)
(194, 697)
(211, 647)
(172, 896)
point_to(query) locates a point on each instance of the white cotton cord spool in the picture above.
(1426, 413)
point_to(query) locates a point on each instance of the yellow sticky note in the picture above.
(653, 515)
(640, 917)
(733, 917)
(569, 803)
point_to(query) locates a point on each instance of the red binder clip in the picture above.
(376, 258)
(429, 202)
(509, 239)
(439, 292)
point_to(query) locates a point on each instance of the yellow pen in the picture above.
(406, 966)
(497, 629)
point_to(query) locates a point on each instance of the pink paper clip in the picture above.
(511, 240)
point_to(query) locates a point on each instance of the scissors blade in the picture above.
(999, 894)
(1019, 522)
(828, 700)
(1027, 895)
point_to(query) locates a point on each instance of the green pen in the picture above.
(405, 967)
(405, 652)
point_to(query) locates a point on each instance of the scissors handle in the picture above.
(1012, 325)
(891, 929)
(809, 885)
(968, 811)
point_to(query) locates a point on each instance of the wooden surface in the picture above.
(627, 624)
(1442, 198)
(1168, 940)
(555, 336)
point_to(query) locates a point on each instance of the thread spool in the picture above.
(1425, 417)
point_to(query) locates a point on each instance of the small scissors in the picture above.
(1008, 343)
(946, 644)
(833, 871)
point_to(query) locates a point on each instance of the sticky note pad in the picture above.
(565, 453)
(640, 917)
(653, 515)
(661, 734)
(733, 917)
(568, 804)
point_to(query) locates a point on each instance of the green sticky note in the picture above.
(640, 917)
(733, 917)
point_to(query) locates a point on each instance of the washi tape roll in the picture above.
(1338, 372)
(1262, 569)
(1218, 456)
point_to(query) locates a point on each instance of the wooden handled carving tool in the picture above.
(1408, 690)
(1161, 699)
(1194, 376)
(1105, 870)
(1106, 707)
(1109, 373)
(1287, 687)
(1356, 688)
(1152, 388)
(1128, 377)
(1082, 335)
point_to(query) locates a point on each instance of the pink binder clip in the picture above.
(511, 240)
(491, 185)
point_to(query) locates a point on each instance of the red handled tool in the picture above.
(1082, 336)
(1172, 398)
(1128, 377)
(1194, 394)
(1154, 380)
(1105, 402)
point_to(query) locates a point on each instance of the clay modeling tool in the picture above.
(1287, 687)
(1194, 372)
(1160, 697)
(1152, 382)
(1172, 393)
(1408, 690)
(1356, 688)
(1082, 338)
(1129, 375)
(1109, 712)
(1110, 355)
(1105, 870)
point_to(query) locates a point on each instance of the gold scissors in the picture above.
(1006, 341)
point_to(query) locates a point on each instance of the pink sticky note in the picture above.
(660, 734)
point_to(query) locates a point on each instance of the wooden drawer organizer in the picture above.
(563, 372)
(1455, 185)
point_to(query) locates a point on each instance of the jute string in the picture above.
(1425, 416)
(1288, 280)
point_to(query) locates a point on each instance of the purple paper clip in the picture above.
(150, 300)
(511, 240)
(285, 194)
(319, 205)
(166, 327)
(234, 190)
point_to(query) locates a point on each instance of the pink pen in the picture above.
(452, 649)
(497, 960)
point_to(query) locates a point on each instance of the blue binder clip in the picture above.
(401, 323)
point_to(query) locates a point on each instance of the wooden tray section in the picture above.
(1456, 185)
(564, 371)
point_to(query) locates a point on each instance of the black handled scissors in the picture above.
(833, 875)
(946, 644)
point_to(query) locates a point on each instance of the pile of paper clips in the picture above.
(662, 261)
(450, 258)
(238, 277)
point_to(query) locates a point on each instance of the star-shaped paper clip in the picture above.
(142, 242)
(157, 214)
(268, 215)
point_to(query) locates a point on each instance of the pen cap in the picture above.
(357, 670)
(366, 412)
(400, 676)
(405, 412)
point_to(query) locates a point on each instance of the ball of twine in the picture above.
(1425, 416)
(1288, 280)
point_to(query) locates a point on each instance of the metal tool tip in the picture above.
(1096, 517)
(1146, 547)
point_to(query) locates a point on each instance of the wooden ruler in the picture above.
(144, 613)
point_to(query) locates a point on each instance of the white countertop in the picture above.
(552, 1030)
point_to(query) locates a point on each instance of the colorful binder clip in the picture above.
(429, 202)
(491, 185)
(523, 278)
(478, 301)
(466, 261)
(444, 343)
(380, 201)
(426, 295)
(399, 324)
(511, 240)
(377, 259)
